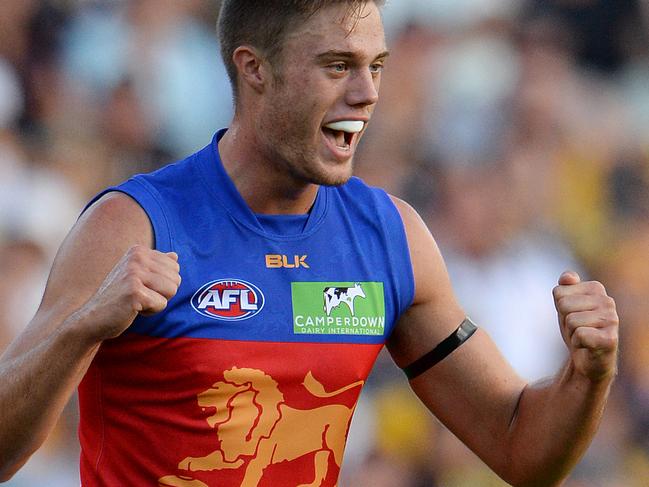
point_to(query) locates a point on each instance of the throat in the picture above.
(281, 198)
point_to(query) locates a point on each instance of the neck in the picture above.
(265, 187)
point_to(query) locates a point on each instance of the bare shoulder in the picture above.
(427, 262)
(112, 221)
(411, 219)
(114, 205)
(97, 241)
(424, 253)
(100, 237)
(435, 311)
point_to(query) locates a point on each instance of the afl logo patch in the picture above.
(228, 300)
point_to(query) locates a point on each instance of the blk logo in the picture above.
(284, 261)
(228, 300)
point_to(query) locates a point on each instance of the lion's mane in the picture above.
(255, 402)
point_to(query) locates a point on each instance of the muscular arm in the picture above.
(104, 274)
(529, 434)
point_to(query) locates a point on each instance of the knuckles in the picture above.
(610, 315)
(137, 254)
(609, 303)
(600, 319)
(571, 321)
(594, 288)
(610, 341)
(603, 340)
(132, 283)
(594, 291)
(144, 282)
(580, 335)
(138, 298)
(177, 281)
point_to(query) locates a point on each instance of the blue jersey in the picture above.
(252, 372)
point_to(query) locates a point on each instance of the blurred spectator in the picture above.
(161, 55)
(503, 266)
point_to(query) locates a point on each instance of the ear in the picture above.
(251, 67)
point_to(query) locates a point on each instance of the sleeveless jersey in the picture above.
(251, 374)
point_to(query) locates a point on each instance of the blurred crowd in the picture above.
(518, 129)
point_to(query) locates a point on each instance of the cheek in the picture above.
(305, 118)
(295, 113)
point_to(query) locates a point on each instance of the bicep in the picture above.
(97, 241)
(473, 391)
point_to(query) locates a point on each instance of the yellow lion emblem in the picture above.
(253, 424)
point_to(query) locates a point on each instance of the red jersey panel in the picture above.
(205, 412)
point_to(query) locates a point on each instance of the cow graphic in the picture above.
(335, 296)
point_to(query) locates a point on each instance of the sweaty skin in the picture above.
(277, 154)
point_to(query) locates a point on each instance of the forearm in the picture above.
(554, 423)
(36, 385)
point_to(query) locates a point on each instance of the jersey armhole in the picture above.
(399, 255)
(400, 235)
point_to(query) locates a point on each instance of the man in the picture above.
(246, 371)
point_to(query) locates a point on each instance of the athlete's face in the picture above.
(329, 74)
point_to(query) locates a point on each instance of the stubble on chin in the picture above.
(337, 179)
(306, 166)
(311, 169)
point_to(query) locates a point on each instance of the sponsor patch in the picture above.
(338, 308)
(228, 300)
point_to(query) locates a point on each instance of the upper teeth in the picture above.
(351, 126)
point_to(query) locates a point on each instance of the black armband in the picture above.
(441, 351)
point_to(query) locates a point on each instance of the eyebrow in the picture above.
(332, 53)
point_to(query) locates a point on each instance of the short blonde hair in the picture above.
(265, 24)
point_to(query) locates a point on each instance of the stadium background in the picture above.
(519, 130)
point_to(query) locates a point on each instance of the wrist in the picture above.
(78, 329)
(601, 380)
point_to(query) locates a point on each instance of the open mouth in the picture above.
(342, 133)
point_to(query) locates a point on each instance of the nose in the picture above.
(363, 89)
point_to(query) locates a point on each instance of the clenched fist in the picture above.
(143, 281)
(589, 325)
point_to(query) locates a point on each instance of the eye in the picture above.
(338, 67)
(376, 68)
